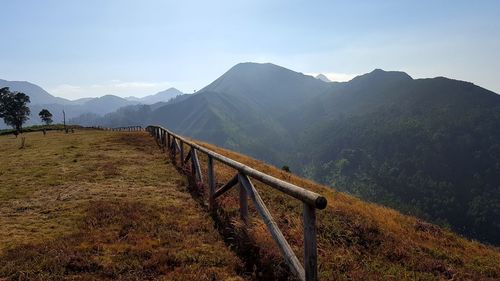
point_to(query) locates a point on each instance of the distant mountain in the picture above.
(36, 93)
(428, 147)
(163, 96)
(323, 78)
(106, 104)
(81, 100)
(41, 99)
(129, 114)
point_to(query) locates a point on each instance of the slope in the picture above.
(242, 109)
(36, 93)
(356, 240)
(428, 147)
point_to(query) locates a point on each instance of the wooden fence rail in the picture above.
(311, 200)
(126, 129)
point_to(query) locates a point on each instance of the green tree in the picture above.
(13, 108)
(46, 116)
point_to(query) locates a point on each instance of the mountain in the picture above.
(323, 78)
(105, 104)
(162, 96)
(427, 147)
(242, 109)
(41, 99)
(36, 93)
(128, 114)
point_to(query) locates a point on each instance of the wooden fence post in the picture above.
(168, 140)
(196, 163)
(211, 183)
(193, 165)
(181, 152)
(243, 204)
(310, 246)
(165, 148)
(162, 136)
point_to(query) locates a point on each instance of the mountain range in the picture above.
(427, 147)
(162, 96)
(39, 99)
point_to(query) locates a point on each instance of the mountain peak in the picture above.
(323, 78)
(380, 75)
(258, 81)
(255, 66)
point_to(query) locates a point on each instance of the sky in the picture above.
(90, 48)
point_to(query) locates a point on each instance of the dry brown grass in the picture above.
(106, 205)
(357, 240)
(98, 205)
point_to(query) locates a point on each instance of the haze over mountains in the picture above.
(427, 147)
(85, 106)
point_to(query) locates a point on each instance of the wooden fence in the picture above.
(311, 201)
(126, 129)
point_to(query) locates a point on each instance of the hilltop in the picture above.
(108, 205)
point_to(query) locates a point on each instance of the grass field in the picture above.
(97, 205)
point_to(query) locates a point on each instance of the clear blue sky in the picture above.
(91, 48)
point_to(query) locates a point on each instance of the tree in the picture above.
(46, 116)
(13, 108)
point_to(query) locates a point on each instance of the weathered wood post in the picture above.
(243, 204)
(196, 163)
(310, 246)
(168, 140)
(193, 165)
(211, 183)
(173, 149)
(181, 153)
(164, 140)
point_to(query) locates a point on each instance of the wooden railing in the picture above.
(311, 201)
(126, 129)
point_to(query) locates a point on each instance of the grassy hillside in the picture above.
(98, 205)
(358, 240)
(109, 205)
